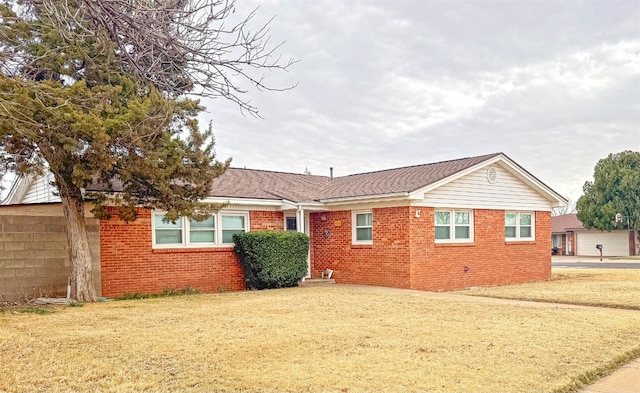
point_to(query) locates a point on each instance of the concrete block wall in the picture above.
(34, 256)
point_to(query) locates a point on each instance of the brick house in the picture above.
(570, 237)
(474, 221)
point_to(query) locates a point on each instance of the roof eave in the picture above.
(366, 198)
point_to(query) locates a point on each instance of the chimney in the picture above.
(331, 172)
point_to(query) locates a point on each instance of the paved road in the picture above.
(597, 265)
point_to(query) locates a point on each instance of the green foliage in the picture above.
(272, 259)
(75, 304)
(37, 310)
(615, 189)
(70, 107)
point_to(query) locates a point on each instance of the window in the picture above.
(202, 231)
(556, 241)
(167, 232)
(453, 226)
(291, 224)
(519, 226)
(191, 233)
(363, 228)
(232, 224)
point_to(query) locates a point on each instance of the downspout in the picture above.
(301, 225)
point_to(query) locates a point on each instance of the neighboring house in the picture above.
(570, 237)
(473, 221)
(27, 189)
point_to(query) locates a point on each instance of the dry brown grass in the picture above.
(617, 288)
(332, 339)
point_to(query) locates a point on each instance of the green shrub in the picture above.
(272, 259)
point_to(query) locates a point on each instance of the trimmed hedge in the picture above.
(272, 259)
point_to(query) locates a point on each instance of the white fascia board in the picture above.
(515, 169)
(19, 187)
(366, 198)
(283, 204)
(308, 206)
(510, 166)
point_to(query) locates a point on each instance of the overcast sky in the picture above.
(381, 84)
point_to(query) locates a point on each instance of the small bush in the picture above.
(272, 259)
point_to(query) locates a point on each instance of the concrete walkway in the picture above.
(624, 380)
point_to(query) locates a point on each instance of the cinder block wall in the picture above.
(34, 255)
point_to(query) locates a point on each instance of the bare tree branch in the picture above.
(180, 46)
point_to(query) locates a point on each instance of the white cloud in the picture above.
(555, 85)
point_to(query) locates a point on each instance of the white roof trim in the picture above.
(366, 198)
(510, 166)
(19, 188)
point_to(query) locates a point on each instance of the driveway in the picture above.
(562, 261)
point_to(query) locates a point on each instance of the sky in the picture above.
(555, 85)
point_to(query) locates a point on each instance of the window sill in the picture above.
(182, 250)
(456, 244)
(521, 242)
(367, 245)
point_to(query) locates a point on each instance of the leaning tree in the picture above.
(101, 93)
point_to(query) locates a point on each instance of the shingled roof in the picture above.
(565, 222)
(258, 184)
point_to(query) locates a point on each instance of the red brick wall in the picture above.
(404, 253)
(385, 263)
(129, 264)
(266, 220)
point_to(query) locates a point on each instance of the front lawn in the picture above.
(329, 339)
(617, 288)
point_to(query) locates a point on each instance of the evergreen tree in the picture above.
(68, 105)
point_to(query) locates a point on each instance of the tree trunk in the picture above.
(82, 286)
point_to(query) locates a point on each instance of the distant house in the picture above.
(474, 221)
(570, 237)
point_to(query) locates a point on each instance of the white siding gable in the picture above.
(475, 191)
(40, 190)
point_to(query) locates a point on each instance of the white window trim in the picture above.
(186, 228)
(452, 226)
(354, 227)
(518, 238)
